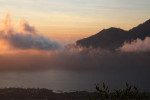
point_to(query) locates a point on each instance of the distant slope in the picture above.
(113, 38)
(40, 94)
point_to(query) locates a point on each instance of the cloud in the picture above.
(75, 59)
(26, 28)
(137, 46)
(28, 38)
(28, 41)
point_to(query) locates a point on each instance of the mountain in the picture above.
(113, 38)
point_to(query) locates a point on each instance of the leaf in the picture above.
(135, 88)
(104, 85)
(97, 88)
(127, 85)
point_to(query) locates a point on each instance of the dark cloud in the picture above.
(25, 27)
(28, 38)
(28, 41)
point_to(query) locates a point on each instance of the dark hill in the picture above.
(113, 38)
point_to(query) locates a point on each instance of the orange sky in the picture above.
(74, 29)
(70, 20)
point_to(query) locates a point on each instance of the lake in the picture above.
(67, 80)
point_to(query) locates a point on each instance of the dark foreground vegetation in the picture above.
(101, 93)
(128, 93)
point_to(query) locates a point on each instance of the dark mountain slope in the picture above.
(141, 31)
(113, 38)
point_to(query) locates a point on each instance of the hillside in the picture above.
(113, 38)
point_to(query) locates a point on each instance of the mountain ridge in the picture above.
(113, 38)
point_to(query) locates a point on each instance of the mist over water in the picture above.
(65, 80)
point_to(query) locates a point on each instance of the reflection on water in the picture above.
(64, 80)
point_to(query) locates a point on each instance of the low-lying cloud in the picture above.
(77, 59)
(28, 38)
(137, 46)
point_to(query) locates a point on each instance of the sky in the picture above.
(70, 20)
(34, 38)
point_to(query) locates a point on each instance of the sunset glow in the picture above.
(63, 49)
(69, 21)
